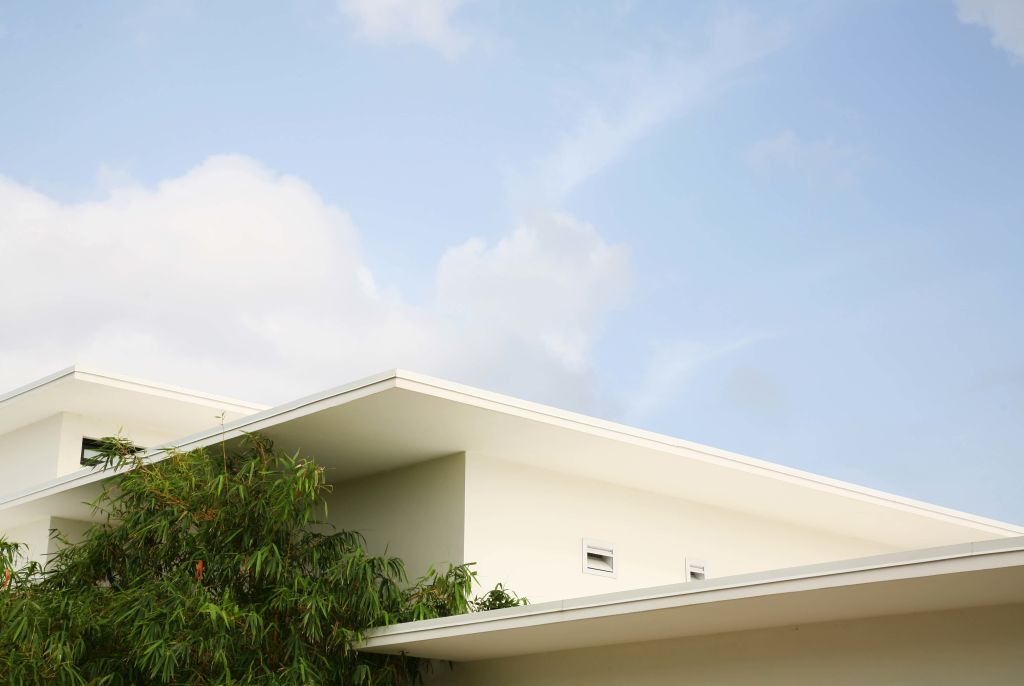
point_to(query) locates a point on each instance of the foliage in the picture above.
(497, 598)
(213, 567)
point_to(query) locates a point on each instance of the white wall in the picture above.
(524, 527)
(71, 529)
(415, 513)
(979, 646)
(29, 454)
(52, 447)
(75, 427)
(47, 449)
(34, 535)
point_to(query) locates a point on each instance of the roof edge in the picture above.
(233, 429)
(32, 385)
(416, 381)
(97, 376)
(923, 562)
(705, 452)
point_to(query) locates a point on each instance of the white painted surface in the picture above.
(537, 481)
(398, 419)
(34, 536)
(73, 530)
(30, 454)
(52, 447)
(132, 401)
(524, 528)
(534, 483)
(75, 427)
(414, 513)
(982, 646)
(42, 426)
(963, 576)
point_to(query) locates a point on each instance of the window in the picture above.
(91, 452)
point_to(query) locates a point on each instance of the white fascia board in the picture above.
(134, 384)
(307, 405)
(248, 424)
(32, 385)
(621, 432)
(167, 390)
(955, 559)
(421, 383)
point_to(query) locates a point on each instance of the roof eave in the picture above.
(550, 626)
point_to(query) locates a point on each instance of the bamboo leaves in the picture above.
(211, 567)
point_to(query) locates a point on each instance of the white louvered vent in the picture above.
(598, 557)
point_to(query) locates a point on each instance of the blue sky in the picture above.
(790, 229)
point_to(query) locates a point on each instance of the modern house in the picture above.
(647, 559)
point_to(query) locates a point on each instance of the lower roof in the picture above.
(952, 577)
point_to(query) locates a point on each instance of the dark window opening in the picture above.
(91, 452)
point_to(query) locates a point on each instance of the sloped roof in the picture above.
(399, 418)
(91, 392)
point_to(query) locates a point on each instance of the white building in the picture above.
(647, 559)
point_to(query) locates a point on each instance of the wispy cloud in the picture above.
(813, 160)
(1004, 18)
(673, 362)
(429, 23)
(649, 92)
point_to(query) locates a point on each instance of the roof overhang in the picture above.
(399, 418)
(131, 401)
(955, 577)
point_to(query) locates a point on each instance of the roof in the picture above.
(398, 418)
(953, 577)
(92, 392)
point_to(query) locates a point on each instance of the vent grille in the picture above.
(696, 570)
(598, 557)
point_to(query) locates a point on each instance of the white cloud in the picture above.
(420, 22)
(1004, 18)
(238, 280)
(647, 94)
(553, 279)
(813, 160)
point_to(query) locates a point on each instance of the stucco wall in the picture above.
(73, 530)
(524, 527)
(29, 454)
(52, 447)
(34, 536)
(414, 513)
(75, 427)
(980, 646)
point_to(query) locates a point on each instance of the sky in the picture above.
(794, 229)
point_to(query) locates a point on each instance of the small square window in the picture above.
(91, 452)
